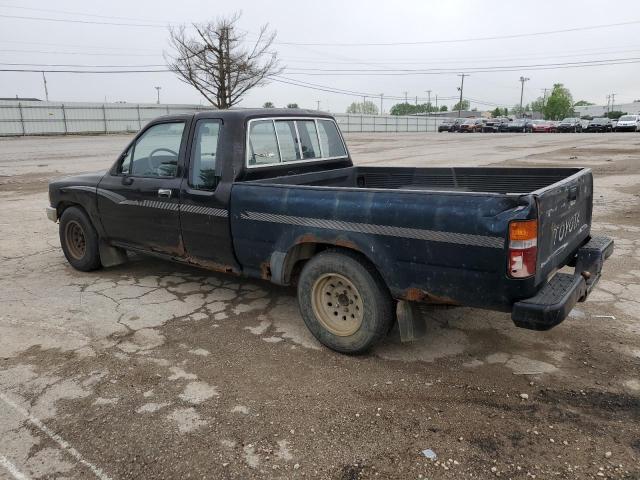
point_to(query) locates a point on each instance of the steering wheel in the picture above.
(162, 149)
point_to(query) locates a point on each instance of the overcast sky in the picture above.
(31, 41)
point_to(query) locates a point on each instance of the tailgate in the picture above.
(564, 215)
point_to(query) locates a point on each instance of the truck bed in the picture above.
(478, 180)
(427, 230)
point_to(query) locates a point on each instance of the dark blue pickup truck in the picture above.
(273, 194)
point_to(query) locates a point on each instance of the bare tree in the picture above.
(216, 62)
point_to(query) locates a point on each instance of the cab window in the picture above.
(202, 173)
(155, 153)
(263, 145)
(332, 145)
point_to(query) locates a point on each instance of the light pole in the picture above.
(46, 91)
(317, 104)
(158, 89)
(522, 80)
(428, 101)
(381, 96)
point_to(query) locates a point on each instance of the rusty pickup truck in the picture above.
(273, 194)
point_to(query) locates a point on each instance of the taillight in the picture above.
(523, 248)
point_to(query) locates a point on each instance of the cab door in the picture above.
(139, 199)
(204, 202)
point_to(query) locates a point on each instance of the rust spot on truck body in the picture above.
(209, 265)
(418, 295)
(265, 271)
(338, 242)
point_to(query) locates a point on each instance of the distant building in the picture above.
(601, 110)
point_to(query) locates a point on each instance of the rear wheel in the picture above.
(79, 240)
(344, 302)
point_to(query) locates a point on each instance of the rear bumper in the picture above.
(551, 305)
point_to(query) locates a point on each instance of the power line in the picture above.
(460, 40)
(99, 54)
(67, 12)
(90, 22)
(458, 69)
(471, 69)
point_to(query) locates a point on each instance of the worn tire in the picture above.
(79, 240)
(376, 301)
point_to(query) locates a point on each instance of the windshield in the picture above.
(599, 120)
(627, 118)
(569, 120)
(469, 122)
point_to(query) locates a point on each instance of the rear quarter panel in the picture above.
(444, 245)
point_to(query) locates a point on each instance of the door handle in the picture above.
(127, 180)
(164, 192)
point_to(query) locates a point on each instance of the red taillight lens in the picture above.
(523, 248)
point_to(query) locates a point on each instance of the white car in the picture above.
(628, 123)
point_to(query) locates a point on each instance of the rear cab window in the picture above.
(282, 140)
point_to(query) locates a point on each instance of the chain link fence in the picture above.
(52, 118)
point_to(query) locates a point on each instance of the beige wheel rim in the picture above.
(75, 239)
(337, 304)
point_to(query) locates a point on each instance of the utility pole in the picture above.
(381, 96)
(522, 80)
(461, 88)
(608, 100)
(364, 103)
(428, 101)
(613, 100)
(317, 104)
(544, 96)
(158, 89)
(437, 103)
(46, 92)
(405, 97)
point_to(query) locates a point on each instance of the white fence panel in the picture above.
(53, 118)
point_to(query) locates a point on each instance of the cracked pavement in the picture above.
(157, 370)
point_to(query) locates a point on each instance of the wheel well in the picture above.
(301, 253)
(62, 206)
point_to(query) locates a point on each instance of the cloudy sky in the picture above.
(369, 47)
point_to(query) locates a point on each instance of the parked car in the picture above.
(472, 125)
(273, 194)
(599, 124)
(628, 123)
(543, 126)
(519, 125)
(570, 124)
(450, 125)
(493, 125)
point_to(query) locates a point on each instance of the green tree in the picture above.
(582, 103)
(559, 104)
(268, 105)
(497, 112)
(403, 109)
(537, 105)
(367, 108)
(443, 108)
(464, 105)
(615, 114)
(292, 105)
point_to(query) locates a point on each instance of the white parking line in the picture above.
(53, 436)
(11, 468)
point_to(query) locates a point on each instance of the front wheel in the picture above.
(79, 240)
(344, 301)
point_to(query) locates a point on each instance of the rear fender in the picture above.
(292, 249)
